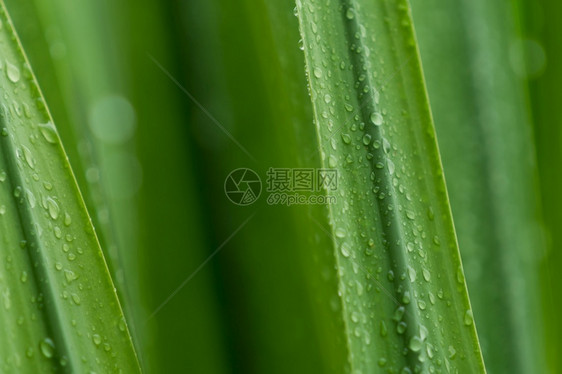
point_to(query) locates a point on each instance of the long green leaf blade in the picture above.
(482, 121)
(542, 31)
(402, 286)
(60, 309)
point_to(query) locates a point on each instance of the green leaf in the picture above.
(470, 56)
(249, 74)
(60, 309)
(402, 288)
(543, 30)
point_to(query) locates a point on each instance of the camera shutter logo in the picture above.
(242, 186)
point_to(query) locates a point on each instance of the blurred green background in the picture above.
(157, 101)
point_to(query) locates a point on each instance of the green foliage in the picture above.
(400, 278)
(60, 309)
(542, 31)
(485, 138)
(157, 102)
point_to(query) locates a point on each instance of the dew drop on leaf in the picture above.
(340, 232)
(376, 119)
(366, 139)
(53, 208)
(47, 347)
(345, 250)
(49, 132)
(415, 344)
(318, 72)
(12, 72)
(468, 318)
(391, 166)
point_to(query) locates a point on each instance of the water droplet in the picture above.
(366, 139)
(390, 275)
(399, 313)
(340, 232)
(12, 72)
(96, 339)
(406, 298)
(401, 327)
(359, 288)
(318, 72)
(346, 138)
(436, 240)
(468, 318)
(385, 145)
(348, 107)
(376, 118)
(350, 14)
(70, 275)
(426, 275)
(345, 250)
(30, 198)
(383, 330)
(332, 161)
(47, 347)
(452, 352)
(430, 213)
(49, 132)
(122, 324)
(423, 332)
(410, 214)
(76, 299)
(28, 157)
(327, 98)
(53, 208)
(67, 219)
(411, 274)
(415, 344)
(391, 166)
(460, 275)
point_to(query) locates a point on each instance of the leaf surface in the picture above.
(401, 283)
(471, 57)
(60, 310)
